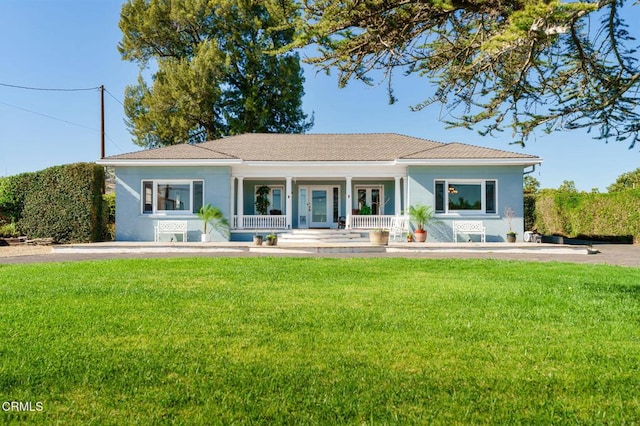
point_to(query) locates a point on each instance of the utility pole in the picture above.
(102, 154)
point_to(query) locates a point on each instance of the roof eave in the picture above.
(319, 163)
(167, 162)
(471, 161)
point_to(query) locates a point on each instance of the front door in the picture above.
(321, 207)
(318, 206)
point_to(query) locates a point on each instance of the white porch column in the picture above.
(406, 194)
(289, 202)
(232, 198)
(398, 195)
(349, 202)
(240, 200)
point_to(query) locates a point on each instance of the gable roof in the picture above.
(276, 147)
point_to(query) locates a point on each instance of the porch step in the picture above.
(298, 236)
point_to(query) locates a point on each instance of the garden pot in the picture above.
(257, 240)
(205, 238)
(272, 241)
(511, 238)
(379, 238)
(420, 236)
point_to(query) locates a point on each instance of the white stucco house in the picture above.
(318, 181)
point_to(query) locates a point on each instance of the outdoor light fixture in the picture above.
(452, 189)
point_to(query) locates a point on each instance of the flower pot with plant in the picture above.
(379, 237)
(509, 214)
(420, 215)
(212, 218)
(272, 239)
(365, 210)
(262, 199)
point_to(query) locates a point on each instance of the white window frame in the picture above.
(154, 196)
(368, 188)
(270, 196)
(483, 195)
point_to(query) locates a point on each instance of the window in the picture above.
(370, 196)
(275, 196)
(465, 196)
(179, 196)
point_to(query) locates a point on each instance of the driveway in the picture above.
(611, 254)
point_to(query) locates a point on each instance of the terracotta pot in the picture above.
(420, 235)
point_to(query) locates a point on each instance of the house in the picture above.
(318, 181)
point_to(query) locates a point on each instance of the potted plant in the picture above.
(262, 199)
(365, 209)
(409, 237)
(212, 216)
(257, 239)
(420, 215)
(272, 239)
(379, 236)
(509, 215)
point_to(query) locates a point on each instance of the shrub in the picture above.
(609, 216)
(109, 213)
(65, 203)
(529, 211)
(8, 230)
(13, 190)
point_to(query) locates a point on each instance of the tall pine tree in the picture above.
(498, 64)
(215, 71)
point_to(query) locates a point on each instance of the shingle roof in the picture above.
(320, 147)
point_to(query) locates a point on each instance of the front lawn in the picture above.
(319, 341)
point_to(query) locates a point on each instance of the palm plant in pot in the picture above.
(420, 215)
(212, 218)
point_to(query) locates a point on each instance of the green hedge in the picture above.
(608, 216)
(63, 202)
(529, 211)
(13, 190)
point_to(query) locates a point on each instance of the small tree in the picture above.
(213, 216)
(629, 180)
(262, 199)
(509, 214)
(531, 185)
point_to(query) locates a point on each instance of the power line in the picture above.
(116, 99)
(48, 116)
(47, 89)
(52, 89)
(63, 121)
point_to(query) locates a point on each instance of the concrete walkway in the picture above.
(613, 254)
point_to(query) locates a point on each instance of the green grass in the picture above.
(320, 341)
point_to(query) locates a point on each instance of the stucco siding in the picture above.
(133, 225)
(421, 186)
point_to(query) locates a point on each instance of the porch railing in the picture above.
(261, 222)
(370, 221)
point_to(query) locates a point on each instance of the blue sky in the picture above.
(73, 44)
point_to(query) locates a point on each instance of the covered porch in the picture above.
(313, 202)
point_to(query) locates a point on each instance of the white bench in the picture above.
(469, 227)
(172, 227)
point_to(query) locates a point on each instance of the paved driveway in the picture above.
(612, 254)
